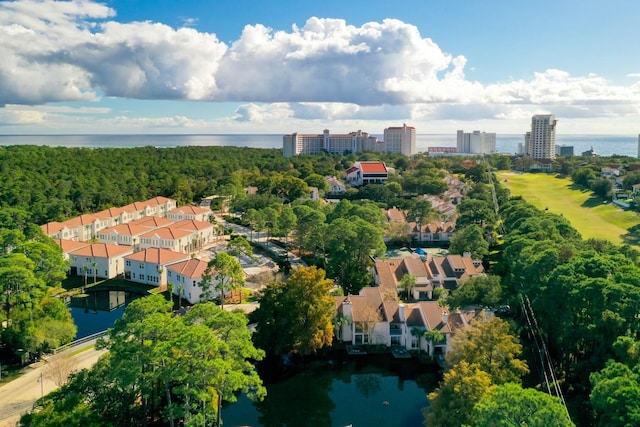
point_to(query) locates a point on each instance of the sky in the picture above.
(278, 67)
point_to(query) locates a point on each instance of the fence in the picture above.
(80, 341)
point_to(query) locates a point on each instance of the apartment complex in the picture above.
(396, 140)
(476, 142)
(540, 142)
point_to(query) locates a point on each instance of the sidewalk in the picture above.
(19, 395)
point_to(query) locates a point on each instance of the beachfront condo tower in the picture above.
(540, 142)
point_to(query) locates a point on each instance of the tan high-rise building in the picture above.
(396, 140)
(540, 142)
(400, 140)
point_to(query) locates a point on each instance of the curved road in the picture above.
(19, 395)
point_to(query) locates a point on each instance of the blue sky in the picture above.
(251, 66)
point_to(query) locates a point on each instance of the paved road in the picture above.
(18, 396)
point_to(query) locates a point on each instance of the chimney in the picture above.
(401, 313)
(445, 317)
(346, 307)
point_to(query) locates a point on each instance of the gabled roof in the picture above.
(434, 315)
(373, 167)
(85, 219)
(130, 229)
(192, 225)
(167, 233)
(152, 221)
(112, 212)
(52, 227)
(70, 245)
(189, 210)
(157, 256)
(193, 268)
(102, 250)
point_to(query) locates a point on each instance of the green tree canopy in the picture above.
(160, 368)
(296, 315)
(510, 405)
(489, 344)
(470, 239)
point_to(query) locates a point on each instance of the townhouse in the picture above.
(149, 266)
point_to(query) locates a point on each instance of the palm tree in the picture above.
(94, 264)
(170, 289)
(180, 290)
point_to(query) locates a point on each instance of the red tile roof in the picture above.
(157, 256)
(373, 167)
(193, 268)
(70, 245)
(102, 250)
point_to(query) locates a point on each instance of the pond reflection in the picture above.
(370, 392)
(98, 310)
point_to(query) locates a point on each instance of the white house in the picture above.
(69, 246)
(99, 260)
(171, 238)
(202, 232)
(370, 320)
(335, 185)
(196, 213)
(123, 234)
(150, 265)
(362, 173)
(186, 279)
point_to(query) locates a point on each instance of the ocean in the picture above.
(604, 145)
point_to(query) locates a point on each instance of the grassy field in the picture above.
(587, 214)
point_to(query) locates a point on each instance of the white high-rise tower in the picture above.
(540, 143)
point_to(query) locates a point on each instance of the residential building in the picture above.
(434, 232)
(149, 266)
(540, 142)
(186, 279)
(189, 212)
(370, 320)
(202, 232)
(564, 150)
(335, 185)
(362, 173)
(476, 142)
(123, 234)
(99, 260)
(400, 140)
(396, 140)
(431, 272)
(69, 246)
(171, 238)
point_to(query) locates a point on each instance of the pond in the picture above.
(99, 310)
(371, 391)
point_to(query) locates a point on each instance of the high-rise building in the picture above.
(476, 142)
(400, 140)
(540, 142)
(396, 140)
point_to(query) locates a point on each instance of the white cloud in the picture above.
(324, 70)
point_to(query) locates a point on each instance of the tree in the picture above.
(453, 401)
(476, 211)
(255, 219)
(407, 283)
(615, 395)
(318, 181)
(286, 222)
(510, 405)
(296, 315)
(351, 242)
(227, 273)
(161, 369)
(470, 239)
(478, 290)
(489, 344)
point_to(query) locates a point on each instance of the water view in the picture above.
(99, 310)
(371, 391)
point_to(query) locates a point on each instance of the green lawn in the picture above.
(587, 214)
